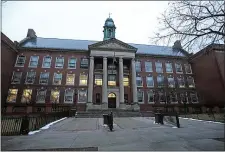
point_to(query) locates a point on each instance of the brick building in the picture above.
(98, 74)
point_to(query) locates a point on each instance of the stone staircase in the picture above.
(116, 113)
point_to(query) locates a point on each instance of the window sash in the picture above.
(188, 68)
(84, 63)
(33, 61)
(41, 94)
(98, 80)
(181, 82)
(150, 81)
(44, 78)
(140, 96)
(70, 79)
(82, 95)
(171, 82)
(68, 98)
(194, 97)
(30, 77)
(148, 66)
(55, 95)
(20, 61)
(16, 78)
(125, 80)
(169, 68)
(178, 68)
(27, 94)
(160, 81)
(83, 79)
(47, 62)
(190, 81)
(59, 62)
(12, 95)
(150, 97)
(138, 66)
(139, 81)
(57, 79)
(72, 63)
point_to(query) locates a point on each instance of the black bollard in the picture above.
(177, 120)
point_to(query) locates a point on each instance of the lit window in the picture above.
(188, 68)
(57, 79)
(68, 98)
(83, 79)
(112, 80)
(72, 63)
(172, 97)
(150, 81)
(160, 81)
(26, 98)
(126, 80)
(54, 96)
(30, 77)
(148, 66)
(158, 66)
(41, 96)
(169, 68)
(44, 78)
(16, 77)
(84, 63)
(171, 82)
(20, 61)
(46, 62)
(12, 94)
(138, 66)
(59, 62)
(190, 81)
(181, 82)
(150, 97)
(98, 79)
(140, 96)
(139, 81)
(82, 96)
(33, 61)
(70, 79)
(178, 67)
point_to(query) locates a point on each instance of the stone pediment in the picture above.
(112, 44)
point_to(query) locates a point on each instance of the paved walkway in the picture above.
(130, 134)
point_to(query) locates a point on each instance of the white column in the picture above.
(104, 83)
(134, 84)
(121, 80)
(90, 79)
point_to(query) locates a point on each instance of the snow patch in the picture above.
(33, 132)
(202, 120)
(174, 127)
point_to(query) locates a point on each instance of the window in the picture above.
(125, 98)
(41, 96)
(150, 96)
(126, 80)
(178, 67)
(138, 66)
(190, 81)
(16, 77)
(150, 81)
(172, 97)
(98, 66)
(181, 82)
(26, 98)
(139, 81)
(44, 78)
(188, 68)
(72, 63)
(57, 79)
(68, 98)
(12, 94)
(33, 61)
(59, 62)
(158, 66)
(148, 66)
(193, 97)
(84, 63)
(140, 96)
(54, 96)
(46, 62)
(160, 80)
(20, 61)
(162, 96)
(83, 79)
(98, 79)
(171, 82)
(169, 68)
(82, 96)
(30, 77)
(183, 97)
(70, 79)
(112, 80)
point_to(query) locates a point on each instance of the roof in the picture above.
(69, 44)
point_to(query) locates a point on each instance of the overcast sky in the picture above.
(135, 21)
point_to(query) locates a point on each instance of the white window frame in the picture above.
(80, 80)
(74, 75)
(141, 81)
(174, 83)
(149, 62)
(152, 96)
(57, 58)
(30, 61)
(178, 81)
(81, 63)
(139, 62)
(189, 65)
(164, 93)
(22, 98)
(17, 61)
(44, 62)
(143, 95)
(65, 95)
(171, 67)
(185, 96)
(45, 91)
(163, 81)
(171, 102)
(191, 97)
(51, 99)
(152, 81)
(98, 79)
(161, 66)
(75, 62)
(27, 77)
(40, 79)
(79, 96)
(13, 77)
(53, 81)
(176, 64)
(192, 81)
(8, 95)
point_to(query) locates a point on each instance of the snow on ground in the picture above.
(45, 127)
(201, 120)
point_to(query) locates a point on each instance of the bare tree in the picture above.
(196, 24)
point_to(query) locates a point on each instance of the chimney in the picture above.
(31, 33)
(177, 45)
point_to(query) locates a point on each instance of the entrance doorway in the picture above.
(111, 100)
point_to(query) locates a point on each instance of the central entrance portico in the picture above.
(111, 100)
